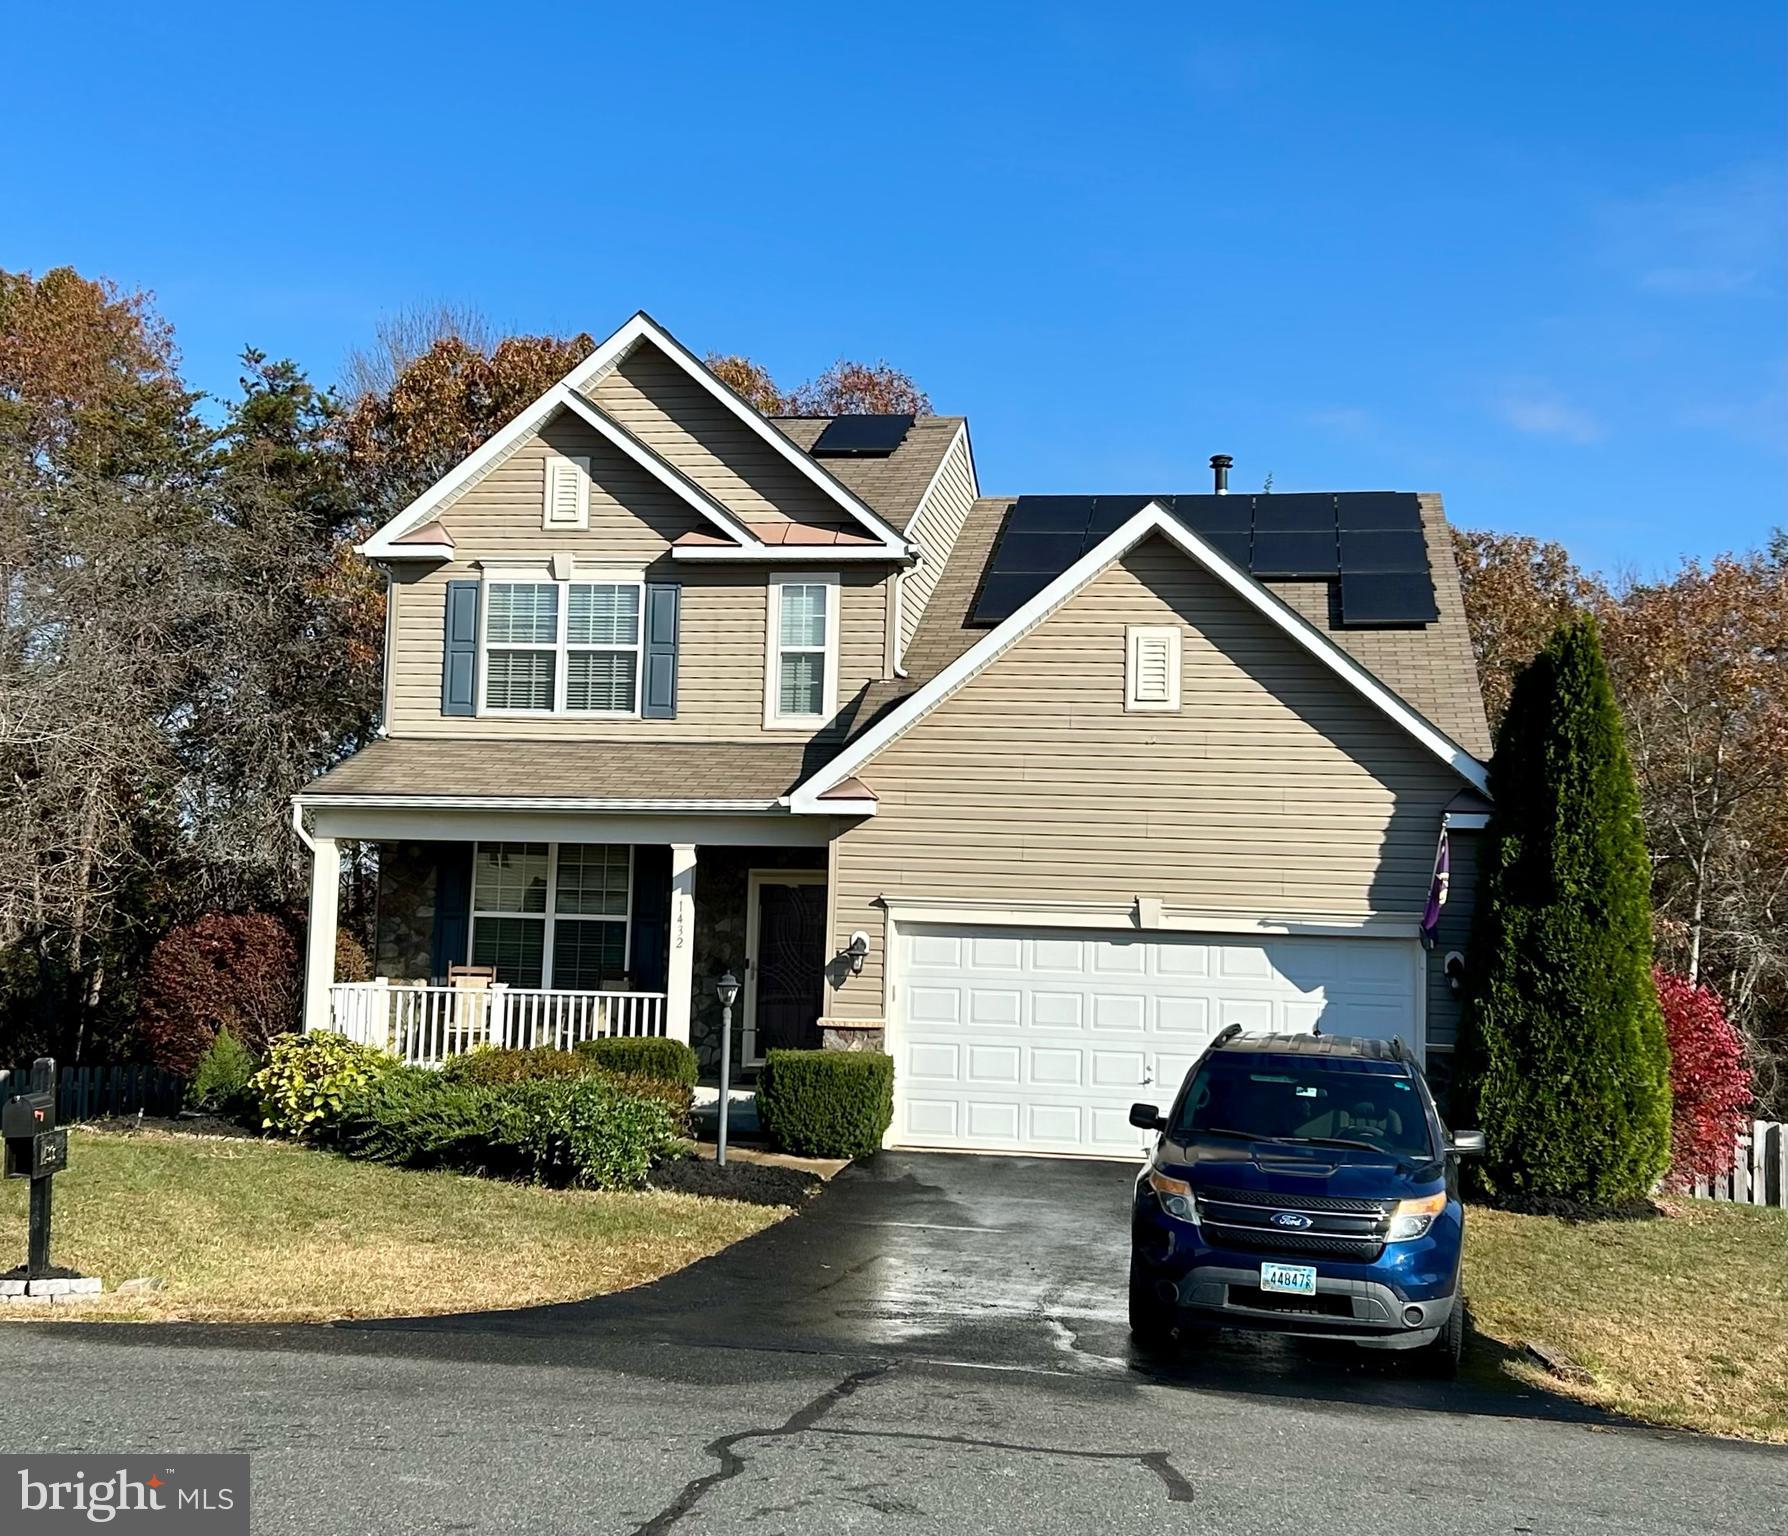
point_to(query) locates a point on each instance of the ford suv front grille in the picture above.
(1306, 1226)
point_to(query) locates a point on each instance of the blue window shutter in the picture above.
(459, 650)
(658, 699)
(453, 907)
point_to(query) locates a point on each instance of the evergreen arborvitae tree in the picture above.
(1565, 1053)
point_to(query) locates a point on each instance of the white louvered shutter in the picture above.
(567, 493)
(1152, 676)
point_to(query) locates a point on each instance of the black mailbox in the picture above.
(27, 1114)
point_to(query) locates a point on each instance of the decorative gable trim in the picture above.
(806, 798)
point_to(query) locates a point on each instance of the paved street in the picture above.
(936, 1346)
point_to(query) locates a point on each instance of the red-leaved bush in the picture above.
(238, 969)
(1710, 1085)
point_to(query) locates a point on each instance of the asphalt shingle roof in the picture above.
(893, 485)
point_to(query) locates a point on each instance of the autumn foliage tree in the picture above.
(1710, 1085)
(1517, 591)
(234, 971)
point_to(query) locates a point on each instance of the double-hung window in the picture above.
(801, 672)
(552, 914)
(562, 647)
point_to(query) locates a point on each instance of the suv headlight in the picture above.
(1412, 1218)
(1175, 1196)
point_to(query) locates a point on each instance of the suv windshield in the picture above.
(1291, 1100)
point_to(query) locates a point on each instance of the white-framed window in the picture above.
(567, 502)
(801, 652)
(553, 914)
(1152, 667)
(561, 647)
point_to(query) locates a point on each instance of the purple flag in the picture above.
(1437, 890)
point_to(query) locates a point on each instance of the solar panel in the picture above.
(1207, 513)
(861, 437)
(1380, 511)
(1293, 554)
(1294, 513)
(1366, 553)
(1112, 512)
(1227, 543)
(1376, 599)
(1003, 593)
(1051, 514)
(1027, 549)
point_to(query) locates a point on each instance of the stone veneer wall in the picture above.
(404, 922)
(721, 876)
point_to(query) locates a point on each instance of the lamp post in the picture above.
(727, 990)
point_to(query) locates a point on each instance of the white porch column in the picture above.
(319, 944)
(679, 990)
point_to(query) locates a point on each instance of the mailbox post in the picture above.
(35, 1150)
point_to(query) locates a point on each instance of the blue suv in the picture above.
(1303, 1184)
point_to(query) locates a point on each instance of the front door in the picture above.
(785, 985)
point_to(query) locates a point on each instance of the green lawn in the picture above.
(1680, 1321)
(263, 1230)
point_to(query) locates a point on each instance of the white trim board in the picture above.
(1121, 917)
(1151, 520)
(566, 395)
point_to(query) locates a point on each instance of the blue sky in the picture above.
(1528, 255)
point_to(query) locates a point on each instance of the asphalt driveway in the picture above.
(937, 1344)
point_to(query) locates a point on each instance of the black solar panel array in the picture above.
(1371, 541)
(862, 437)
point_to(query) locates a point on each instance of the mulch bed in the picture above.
(753, 1183)
(184, 1125)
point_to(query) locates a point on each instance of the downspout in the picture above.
(298, 825)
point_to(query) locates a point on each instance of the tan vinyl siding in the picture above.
(934, 528)
(671, 413)
(1275, 791)
(633, 519)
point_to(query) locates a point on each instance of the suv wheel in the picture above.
(1151, 1319)
(1441, 1358)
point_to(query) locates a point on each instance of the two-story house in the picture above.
(1035, 793)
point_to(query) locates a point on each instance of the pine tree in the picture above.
(1564, 1049)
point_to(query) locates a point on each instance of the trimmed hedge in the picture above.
(643, 1056)
(826, 1103)
(491, 1065)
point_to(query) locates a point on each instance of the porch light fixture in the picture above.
(858, 951)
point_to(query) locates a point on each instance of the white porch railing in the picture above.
(424, 1025)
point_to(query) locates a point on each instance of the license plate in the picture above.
(1293, 1279)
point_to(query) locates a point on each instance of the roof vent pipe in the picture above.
(1220, 464)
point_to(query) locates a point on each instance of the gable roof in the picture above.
(1152, 520)
(884, 542)
(895, 485)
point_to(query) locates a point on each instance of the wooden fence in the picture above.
(89, 1093)
(1759, 1174)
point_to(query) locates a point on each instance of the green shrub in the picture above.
(1563, 1055)
(584, 1131)
(678, 1098)
(220, 1084)
(587, 1131)
(490, 1065)
(309, 1079)
(827, 1103)
(644, 1056)
(414, 1118)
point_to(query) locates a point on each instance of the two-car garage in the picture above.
(1038, 1039)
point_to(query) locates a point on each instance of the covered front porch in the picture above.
(528, 928)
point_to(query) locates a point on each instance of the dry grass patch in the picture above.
(1680, 1321)
(262, 1231)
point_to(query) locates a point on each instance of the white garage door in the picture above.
(1040, 1039)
